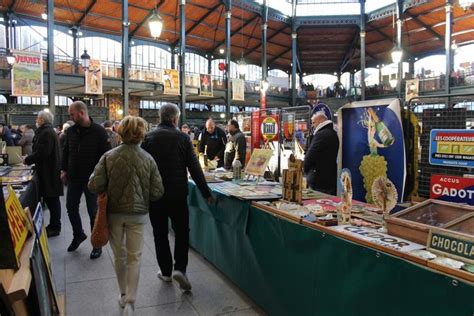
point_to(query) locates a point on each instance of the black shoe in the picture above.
(51, 232)
(76, 241)
(96, 252)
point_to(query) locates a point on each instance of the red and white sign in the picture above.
(452, 189)
(256, 134)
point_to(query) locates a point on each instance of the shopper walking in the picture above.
(131, 179)
(46, 156)
(213, 141)
(174, 155)
(320, 165)
(85, 143)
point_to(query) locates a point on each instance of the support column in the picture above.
(6, 21)
(228, 16)
(362, 48)
(209, 65)
(51, 74)
(173, 57)
(294, 37)
(351, 80)
(75, 60)
(182, 59)
(447, 45)
(399, 8)
(125, 56)
(411, 68)
(264, 39)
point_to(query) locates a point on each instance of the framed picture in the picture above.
(258, 162)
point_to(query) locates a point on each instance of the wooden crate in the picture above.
(415, 222)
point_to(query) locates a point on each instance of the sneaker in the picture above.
(76, 241)
(129, 309)
(164, 278)
(182, 280)
(51, 232)
(122, 300)
(96, 252)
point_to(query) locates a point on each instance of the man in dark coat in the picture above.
(320, 166)
(236, 148)
(213, 140)
(46, 156)
(174, 155)
(85, 143)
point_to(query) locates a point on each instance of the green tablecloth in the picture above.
(289, 269)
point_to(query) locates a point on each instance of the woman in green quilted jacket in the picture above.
(131, 179)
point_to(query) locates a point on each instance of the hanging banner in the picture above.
(238, 89)
(192, 80)
(27, 74)
(94, 77)
(452, 147)
(412, 88)
(170, 79)
(288, 122)
(205, 86)
(372, 145)
(256, 134)
(452, 189)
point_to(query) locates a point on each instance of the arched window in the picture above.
(149, 57)
(104, 49)
(431, 66)
(253, 73)
(196, 64)
(277, 73)
(3, 99)
(33, 38)
(217, 73)
(464, 58)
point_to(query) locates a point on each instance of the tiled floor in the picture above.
(90, 286)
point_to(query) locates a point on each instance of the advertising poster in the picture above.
(41, 235)
(17, 222)
(205, 86)
(170, 79)
(258, 162)
(27, 74)
(238, 89)
(269, 128)
(256, 134)
(452, 189)
(452, 147)
(94, 78)
(288, 122)
(372, 145)
(301, 128)
(324, 108)
(192, 80)
(412, 88)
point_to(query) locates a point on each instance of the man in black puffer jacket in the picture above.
(174, 155)
(85, 143)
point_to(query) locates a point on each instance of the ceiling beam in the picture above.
(350, 52)
(374, 29)
(145, 19)
(196, 24)
(89, 8)
(426, 26)
(256, 17)
(271, 61)
(250, 50)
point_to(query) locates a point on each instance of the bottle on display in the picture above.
(382, 131)
(237, 170)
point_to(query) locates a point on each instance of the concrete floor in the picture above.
(90, 286)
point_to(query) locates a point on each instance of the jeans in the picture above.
(73, 200)
(126, 254)
(54, 206)
(177, 211)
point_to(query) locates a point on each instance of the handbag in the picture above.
(100, 231)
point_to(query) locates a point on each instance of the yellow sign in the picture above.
(269, 128)
(17, 222)
(170, 79)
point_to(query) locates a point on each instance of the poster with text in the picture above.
(170, 79)
(27, 74)
(192, 80)
(452, 147)
(94, 77)
(452, 188)
(372, 145)
(205, 86)
(238, 89)
(288, 122)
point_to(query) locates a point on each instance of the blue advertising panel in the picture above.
(452, 147)
(372, 145)
(322, 107)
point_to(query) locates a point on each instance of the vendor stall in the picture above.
(295, 267)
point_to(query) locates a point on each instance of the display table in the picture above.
(287, 268)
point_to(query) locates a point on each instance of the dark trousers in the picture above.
(176, 210)
(54, 206)
(73, 200)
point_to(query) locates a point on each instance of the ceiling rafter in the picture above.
(425, 26)
(248, 22)
(88, 9)
(350, 52)
(277, 32)
(271, 61)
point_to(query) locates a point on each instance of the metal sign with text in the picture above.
(451, 244)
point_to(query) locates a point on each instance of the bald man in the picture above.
(213, 141)
(320, 165)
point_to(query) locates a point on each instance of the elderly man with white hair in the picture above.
(46, 156)
(320, 165)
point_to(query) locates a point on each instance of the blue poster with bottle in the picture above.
(372, 145)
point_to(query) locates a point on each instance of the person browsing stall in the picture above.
(213, 142)
(236, 147)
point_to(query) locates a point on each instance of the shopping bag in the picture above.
(100, 232)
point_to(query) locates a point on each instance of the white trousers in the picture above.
(126, 241)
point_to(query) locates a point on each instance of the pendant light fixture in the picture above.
(86, 59)
(155, 23)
